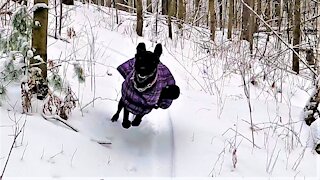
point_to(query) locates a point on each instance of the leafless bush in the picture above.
(16, 133)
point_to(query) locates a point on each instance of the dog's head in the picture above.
(146, 61)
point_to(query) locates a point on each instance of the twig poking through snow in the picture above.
(73, 156)
(42, 153)
(61, 152)
(298, 161)
(97, 99)
(109, 160)
(242, 136)
(24, 152)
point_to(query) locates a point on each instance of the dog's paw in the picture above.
(115, 118)
(318, 148)
(126, 124)
(136, 122)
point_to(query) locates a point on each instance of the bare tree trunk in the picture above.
(318, 38)
(117, 16)
(68, 2)
(60, 18)
(256, 27)
(122, 8)
(231, 17)
(39, 43)
(139, 17)
(220, 13)
(289, 20)
(213, 19)
(157, 11)
(164, 7)
(130, 4)
(39, 35)
(56, 20)
(278, 12)
(196, 4)
(108, 3)
(296, 35)
(235, 14)
(196, 11)
(247, 23)
(174, 8)
(181, 13)
(267, 11)
(171, 6)
(149, 6)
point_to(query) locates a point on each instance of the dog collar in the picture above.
(141, 79)
(147, 86)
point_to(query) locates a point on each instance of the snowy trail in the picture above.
(164, 148)
(147, 150)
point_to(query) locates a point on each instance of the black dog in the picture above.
(148, 84)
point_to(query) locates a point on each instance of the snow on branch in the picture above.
(40, 6)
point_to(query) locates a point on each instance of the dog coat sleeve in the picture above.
(164, 103)
(166, 79)
(125, 68)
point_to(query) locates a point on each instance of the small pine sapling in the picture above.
(79, 72)
(54, 79)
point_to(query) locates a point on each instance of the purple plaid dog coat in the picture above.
(143, 102)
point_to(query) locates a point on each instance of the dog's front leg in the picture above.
(126, 123)
(137, 120)
(115, 117)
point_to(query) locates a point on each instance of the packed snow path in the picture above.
(151, 143)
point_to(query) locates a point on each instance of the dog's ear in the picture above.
(158, 50)
(141, 48)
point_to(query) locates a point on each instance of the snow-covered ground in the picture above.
(196, 137)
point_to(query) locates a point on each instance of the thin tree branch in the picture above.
(12, 146)
(242, 136)
(3, 5)
(58, 119)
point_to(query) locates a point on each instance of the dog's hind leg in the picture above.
(137, 120)
(115, 117)
(126, 123)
